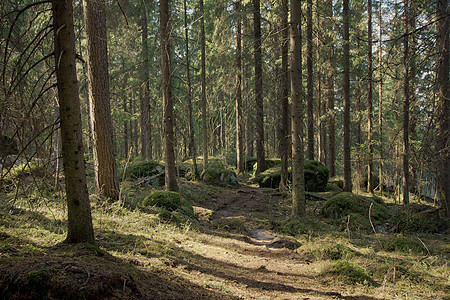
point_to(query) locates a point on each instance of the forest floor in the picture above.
(241, 245)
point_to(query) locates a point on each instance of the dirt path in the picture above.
(257, 264)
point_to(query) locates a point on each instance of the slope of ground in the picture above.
(239, 247)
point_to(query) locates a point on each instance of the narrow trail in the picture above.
(256, 264)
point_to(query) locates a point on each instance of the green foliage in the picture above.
(219, 176)
(403, 244)
(35, 168)
(348, 271)
(166, 199)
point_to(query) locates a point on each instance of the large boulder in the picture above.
(316, 176)
(219, 177)
(149, 169)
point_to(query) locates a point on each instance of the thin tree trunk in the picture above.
(310, 88)
(146, 147)
(443, 152)
(169, 154)
(284, 139)
(97, 62)
(192, 146)
(380, 99)
(79, 220)
(370, 101)
(239, 117)
(204, 121)
(331, 135)
(346, 84)
(258, 89)
(298, 181)
(406, 105)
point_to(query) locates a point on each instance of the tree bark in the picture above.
(370, 100)
(79, 218)
(258, 89)
(204, 119)
(239, 117)
(310, 88)
(298, 181)
(406, 95)
(284, 139)
(169, 142)
(102, 129)
(346, 84)
(332, 134)
(146, 140)
(380, 99)
(192, 146)
(443, 192)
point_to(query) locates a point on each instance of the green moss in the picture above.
(165, 199)
(326, 250)
(346, 203)
(142, 168)
(403, 244)
(290, 226)
(219, 176)
(34, 168)
(418, 218)
(348, 271)
(337, 181)
(270, 163)
(316, 176)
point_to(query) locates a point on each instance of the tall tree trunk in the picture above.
(258, 89)
(126, 133)
(346, 84)
(380, 99)
(204, 121)
(79, 220)
(97, 67)
(406, 96)
(146, 144)
(442, 147)
(332, 134)
(298, 180)
(192, 146)
(310, 88)
(370, 101)
(239, 117)
(284, 139)
(169, 154)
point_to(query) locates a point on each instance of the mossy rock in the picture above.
(316, 176)
(403, 244)
(219, 177)
(417, 218)
(270, 163)
(143, 168)
(348, 271)
(35, 168)
(337, 181)
(186, 170)
(166, 199)
(345, 203)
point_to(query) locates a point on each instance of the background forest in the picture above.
(332, 106)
